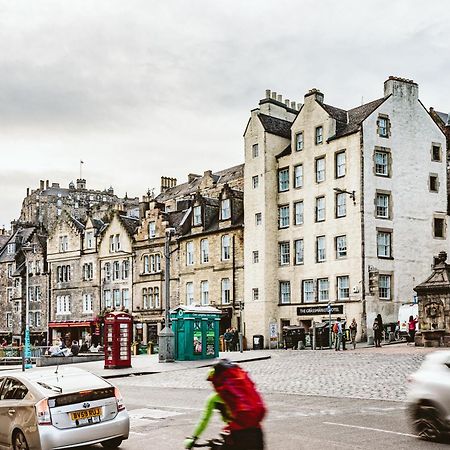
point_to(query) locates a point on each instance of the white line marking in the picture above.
(139, 434)
(369, 429)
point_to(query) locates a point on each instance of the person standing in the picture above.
(376, 333)
(337, 329)
(381, 326)
(353, 330)
(344, 337)
(412, 328)
(228, 337)
(234, 340)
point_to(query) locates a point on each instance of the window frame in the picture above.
(317, 219)
(386, 153)
(340, 208)
(283, 184)
(388, 233)
(337, 166)
(388, 288)
(298, 167)
(255, 150)
(299, 204)
(284, 257)
(318, 135)
(284, 294)
(436, 218)
(299, 143)
(299, 251)
(281, 218)
(336, 240)
(224, 209)
(305, 283)
(323, 171)
(378, 207)
(320, 291)
(339, 287)
(320, 258)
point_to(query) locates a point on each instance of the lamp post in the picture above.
(26, 351)
(166, 335)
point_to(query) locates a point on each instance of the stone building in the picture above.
(44, 205)
(345, 207)
(23, 263)
(73, 252)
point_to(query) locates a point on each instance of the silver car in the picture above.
(49, 409)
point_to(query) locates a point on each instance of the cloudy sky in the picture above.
(143, 88)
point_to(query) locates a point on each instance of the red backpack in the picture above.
(239, 393)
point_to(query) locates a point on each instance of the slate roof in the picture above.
(3, 240)
(445, 117)
(276, 126)
(185, 189)
(20, 237)
(131, 224)
(285, 152)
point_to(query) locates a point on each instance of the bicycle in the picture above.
(212, 444)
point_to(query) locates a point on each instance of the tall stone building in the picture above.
(345, 207)
(44, 205)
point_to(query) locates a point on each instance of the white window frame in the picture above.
(190, 253)
(283, 216)
(225, 209)
(384, 289)
(226, 247)
(384, 244)
(341, 162)
(341, 246)
(107, 298)
(204, 251)
(320, 209)
(152, 230)
(226, 291)
(126, 298)
(204, 292)
(284, 253)
(197, 215)
(298, 176)
(319, 135)
(320, 169)
(156, 298)
(299, 209)
(343, 287)
(321, 249)
(283, 179)
(308, 291)
(382, 201)
(323, 289)
(381, 163)
(299, 249)
(285, 292)
(341, 204)
(189, 293)
(87, 303)
(89, 239)
(299, 141)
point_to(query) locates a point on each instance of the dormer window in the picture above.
(319, 135)
(11, 248)
(89, 239)
(151, 230)
(225, 209)
(197, 218)
(63, 243)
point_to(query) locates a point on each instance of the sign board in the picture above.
(273, 331)
(318, 310)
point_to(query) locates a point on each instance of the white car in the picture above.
(50, 409)
(429, 396)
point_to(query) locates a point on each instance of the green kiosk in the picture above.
(196, 330)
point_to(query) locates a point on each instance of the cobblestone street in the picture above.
(365, 373)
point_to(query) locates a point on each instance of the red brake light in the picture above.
(119, 399)
(43, 413)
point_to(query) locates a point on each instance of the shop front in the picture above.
(73, 330)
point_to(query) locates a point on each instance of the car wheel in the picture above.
(112, 443)
(427, 422)
(19, 441)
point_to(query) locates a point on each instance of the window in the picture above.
(31, 293)
(10, 270)
(9, 322)
(116, 270)
(63, 274)
(116, 298)
(37, 293)
(320, 209)
(436, 152)
(283, 216)
(255, 256)
(126, 298)
(434, 183)
(341, 247)
(107, 299)
(340, 162)
(320, 249)
(284, 253)
(114, 243)
(226, 248)
(189, 293)
(382, 163)
(255, 294)
(189, 253)
(323, 288)
(226, 292)
(107, 271)
(88, 271)
(13, 390)
(118, 246)
(383, 126)
(283, 179)
(384, 244)
(343, 289)
(63, 304)
(156, 296)
(146, 265)
(255, 181)
(204, 293)
(63, 243)
(11, 249)
(320, 170)
(150, 304)
(87, 303)
(151, 230)
(298, 176)
(382, 206)
(255, 151)
(298, 251)
(299, 142)
(125, 269)
(204, 251)
(298, 213)
(439, 227)
(144, 298)
(285, 292)
(319, 135)
(89, 239)
(225, 210)
(341, 207)
(37, 318)
(258, 219)
(384, 287)
(197, 219)
(308, 291)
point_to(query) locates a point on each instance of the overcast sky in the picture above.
(138, 89)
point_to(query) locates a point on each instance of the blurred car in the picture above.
(48, 409)
(429, 397)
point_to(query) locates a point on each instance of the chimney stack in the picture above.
(401, 87)
(267, 93)
(47, 184)
(315, 94)
(167, 183)
(41, 185)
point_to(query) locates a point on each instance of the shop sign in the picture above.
(319, 310)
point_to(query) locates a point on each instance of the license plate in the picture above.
(86, 413)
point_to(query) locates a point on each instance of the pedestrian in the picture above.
(74, 348)
(235, 340)
(4, 342)
(353, 330)
(344, 337)
(412, 329)
(228, 337)
(240, 404)
(381, 326)
(376, 333)
(337, 330)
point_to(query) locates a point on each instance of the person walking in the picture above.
(353, 330)
(412, 329)
(234, 340)
(376, 333)
(337, 329)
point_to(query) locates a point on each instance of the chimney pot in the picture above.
(280, 98)
(286, 102)
(267, 93)
(293, 105)
(274, 95)
(41, 185)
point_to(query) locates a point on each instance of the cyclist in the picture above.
(240, 405)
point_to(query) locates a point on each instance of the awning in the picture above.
(72, 324)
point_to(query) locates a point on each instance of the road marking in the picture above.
(151, 413)
(369, 429)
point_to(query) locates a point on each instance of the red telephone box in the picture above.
(118, 334)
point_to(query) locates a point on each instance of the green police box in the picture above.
(196, 330)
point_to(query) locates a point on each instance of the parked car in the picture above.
(45, 409)
(429, 397)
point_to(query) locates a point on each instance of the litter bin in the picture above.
(292, 335)
(258, 342)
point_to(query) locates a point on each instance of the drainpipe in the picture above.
(363, 245)
(234, 281)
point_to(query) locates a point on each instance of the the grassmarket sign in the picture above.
(319, 310)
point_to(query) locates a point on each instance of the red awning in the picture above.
(72, 324)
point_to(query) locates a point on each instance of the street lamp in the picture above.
(166, 335)
(352, 194)
(26, 350)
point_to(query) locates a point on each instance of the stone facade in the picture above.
(346, 207)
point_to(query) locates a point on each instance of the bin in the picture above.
(292, 335)
(322, 335)
(258, 342)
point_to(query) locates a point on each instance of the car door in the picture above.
(5, 419)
